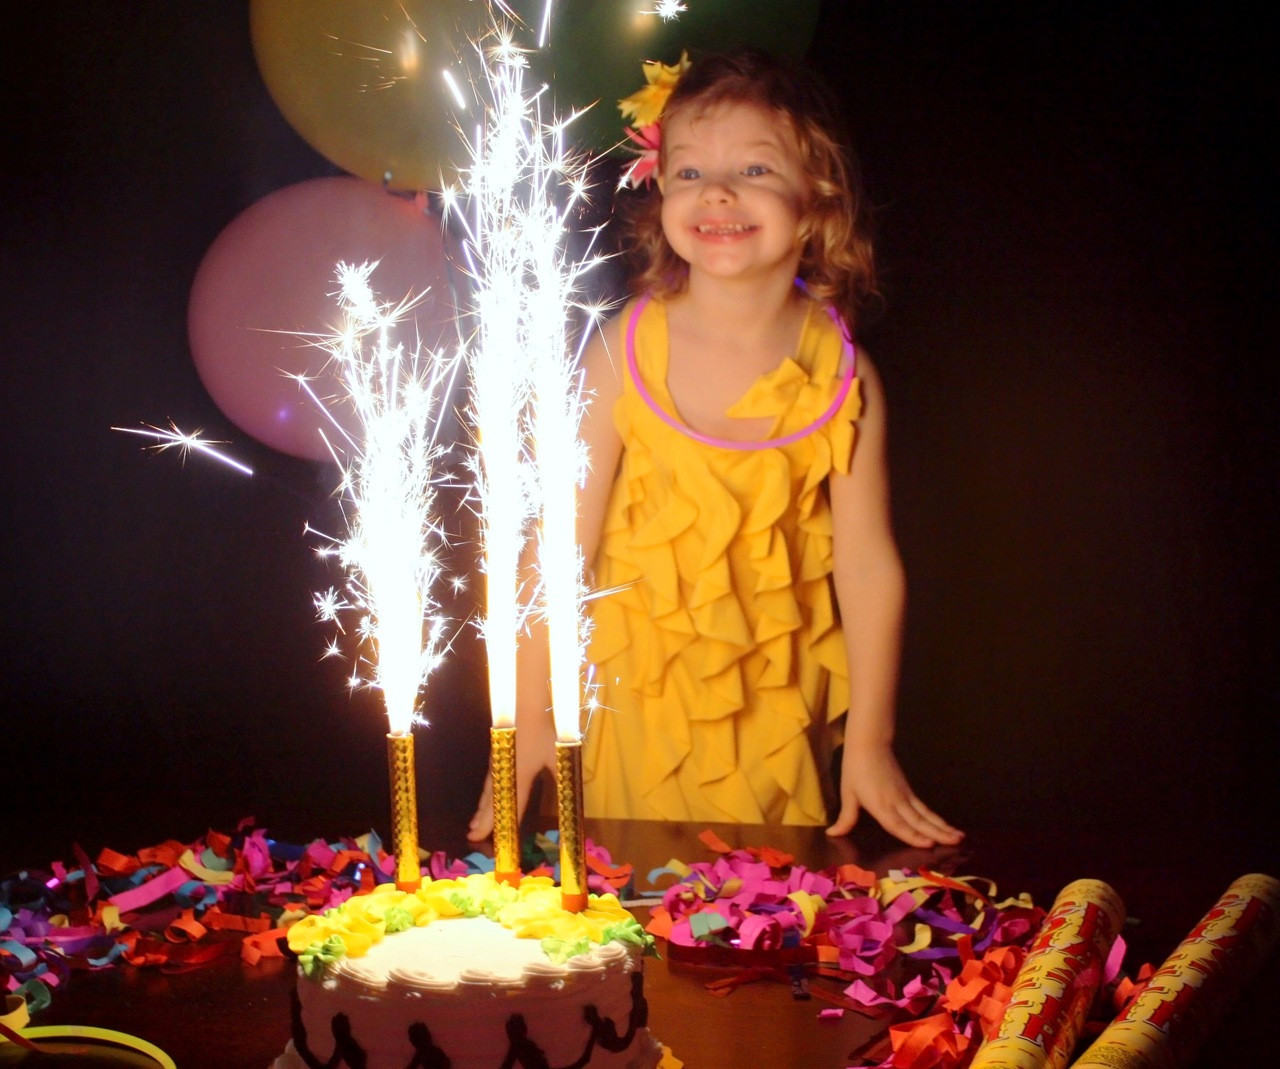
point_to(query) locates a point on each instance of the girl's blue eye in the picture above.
(755, 170)
(687, 173)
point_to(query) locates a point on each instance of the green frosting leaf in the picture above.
(561, 950)
(319, 956)
(497, 900)
(629, 931)
(632, 932)
(464, 903)
(397, 919)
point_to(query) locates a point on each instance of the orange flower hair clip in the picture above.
(643, 109)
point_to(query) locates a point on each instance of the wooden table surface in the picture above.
(232, 1015)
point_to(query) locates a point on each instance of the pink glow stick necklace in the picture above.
(671, 421)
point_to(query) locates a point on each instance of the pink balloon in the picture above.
(266, 288)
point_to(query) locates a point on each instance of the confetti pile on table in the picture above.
(177, 906)
(931, 956)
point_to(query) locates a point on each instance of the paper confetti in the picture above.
(177, 906)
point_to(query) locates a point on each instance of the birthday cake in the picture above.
(471, 974)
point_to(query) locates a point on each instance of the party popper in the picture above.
(1188, 995)
(1058, 981)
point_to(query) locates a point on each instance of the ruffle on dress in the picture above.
(718, 651)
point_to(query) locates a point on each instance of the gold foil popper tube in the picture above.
(404, 810)
(506, 828)
(1188, 995)
(569, 812)
(1058, 981)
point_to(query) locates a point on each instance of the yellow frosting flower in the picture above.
(313, 928)
(644, 107)
(441, 898)
(360, 933)
(359, 923)
(537, 914)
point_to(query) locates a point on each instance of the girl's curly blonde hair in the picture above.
(837, 264)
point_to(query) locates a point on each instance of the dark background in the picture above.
(1077, 231)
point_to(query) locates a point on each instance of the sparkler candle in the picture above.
(1182, 1003)
(557, 411)
(499, 365)
(515, 244)
(1058, 981)
(557, 415)
(390, 554)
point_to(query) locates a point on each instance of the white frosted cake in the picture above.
(470, 974)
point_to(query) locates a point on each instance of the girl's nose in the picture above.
(717, 190)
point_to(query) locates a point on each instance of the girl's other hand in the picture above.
(481, 826)
(872, 779)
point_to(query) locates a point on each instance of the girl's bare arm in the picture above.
(871, 591)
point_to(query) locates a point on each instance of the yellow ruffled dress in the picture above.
(718, 651)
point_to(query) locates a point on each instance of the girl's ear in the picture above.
(661, 183)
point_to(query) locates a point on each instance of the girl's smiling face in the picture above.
(734, 191)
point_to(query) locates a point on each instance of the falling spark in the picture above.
(387, 486)
(453, 88)
(544, 31)
(514, 209)
(186, 442)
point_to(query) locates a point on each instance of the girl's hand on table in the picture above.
(872, 779)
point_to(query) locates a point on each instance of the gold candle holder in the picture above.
(569, 811)
(506, 828)
(404, 810)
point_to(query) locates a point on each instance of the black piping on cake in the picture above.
(521, 1050)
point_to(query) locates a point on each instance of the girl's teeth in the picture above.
(737, 228)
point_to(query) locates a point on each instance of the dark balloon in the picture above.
(597, 48)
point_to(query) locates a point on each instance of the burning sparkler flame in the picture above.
(513, 210)
(388, 485)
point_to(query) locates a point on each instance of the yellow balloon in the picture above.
(365, 81)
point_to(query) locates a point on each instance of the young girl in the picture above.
(737, 507)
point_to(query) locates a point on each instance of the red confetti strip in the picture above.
(217, 921)
(714, 843)
(16, 1037)
(264, 944)
(931, 1043)
(111, 863)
